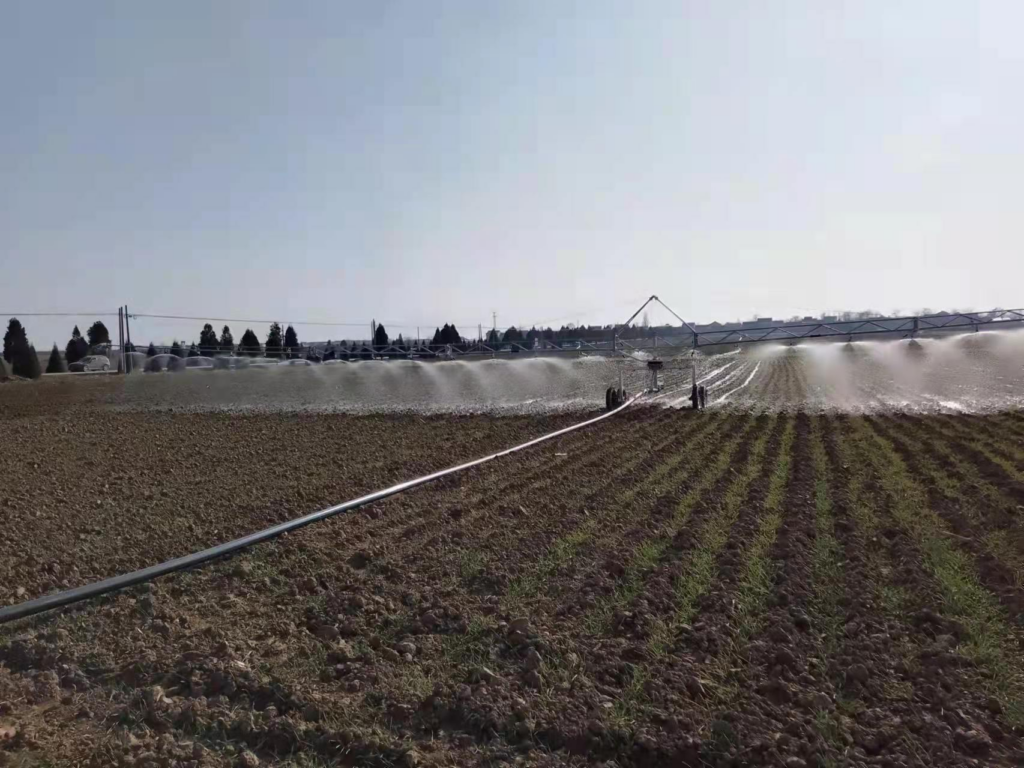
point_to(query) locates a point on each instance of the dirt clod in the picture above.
(973, 742)
(328, 633)
(858, 673)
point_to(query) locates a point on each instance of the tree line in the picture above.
(20, 354)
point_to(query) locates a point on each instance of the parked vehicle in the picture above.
(91, 363)
(230, 362)
(165, 362)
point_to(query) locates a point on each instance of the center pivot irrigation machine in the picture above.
(676, 358)
(652, 363)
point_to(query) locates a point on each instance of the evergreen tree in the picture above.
(24, 360)
(56, 363)
(437, 336)
(512, 335)
(250, 344)
(98, 334)
(208, 343)
(76, 348)
(14, 337)
(454, 337)
(380, 337)
(193, 351)
(493, 337)
(176, 349)
(274, 341)
(151, 352)
(227, 341)
(291, 341)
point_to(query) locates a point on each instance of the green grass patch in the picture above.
(756, 581)
(702, 567)
(649, 553)
(565, 549)
(826, 555)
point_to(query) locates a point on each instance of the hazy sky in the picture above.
(426, 161)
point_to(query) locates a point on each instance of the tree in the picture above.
(454, 337)
(24, 360)
(380, 337)
(76, 348)
(291, 341)
(274, 341)
(14, 337)
(208, 343)
(512, 335)
(437, 336)
(227, 341)
(193, 351)
(151, 352)
(492, 337)
(250, 344)
(56, 363)
(98, 334)
(176, 349)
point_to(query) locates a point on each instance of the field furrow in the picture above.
(997, 540)
(984, 636)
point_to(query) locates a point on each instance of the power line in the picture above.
(58, 314)
(250, 320)
(326, 324)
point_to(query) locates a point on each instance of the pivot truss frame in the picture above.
(905, 327)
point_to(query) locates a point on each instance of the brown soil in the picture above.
(468, 622)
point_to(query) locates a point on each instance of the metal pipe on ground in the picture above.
(114, 583)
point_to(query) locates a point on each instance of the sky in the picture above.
(550, 161)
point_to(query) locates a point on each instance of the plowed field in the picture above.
(663, 588)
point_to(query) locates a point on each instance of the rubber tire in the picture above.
(608, 399)
(106, 367)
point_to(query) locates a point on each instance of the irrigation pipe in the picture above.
(114, 583)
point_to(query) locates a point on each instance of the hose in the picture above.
(114, 583)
